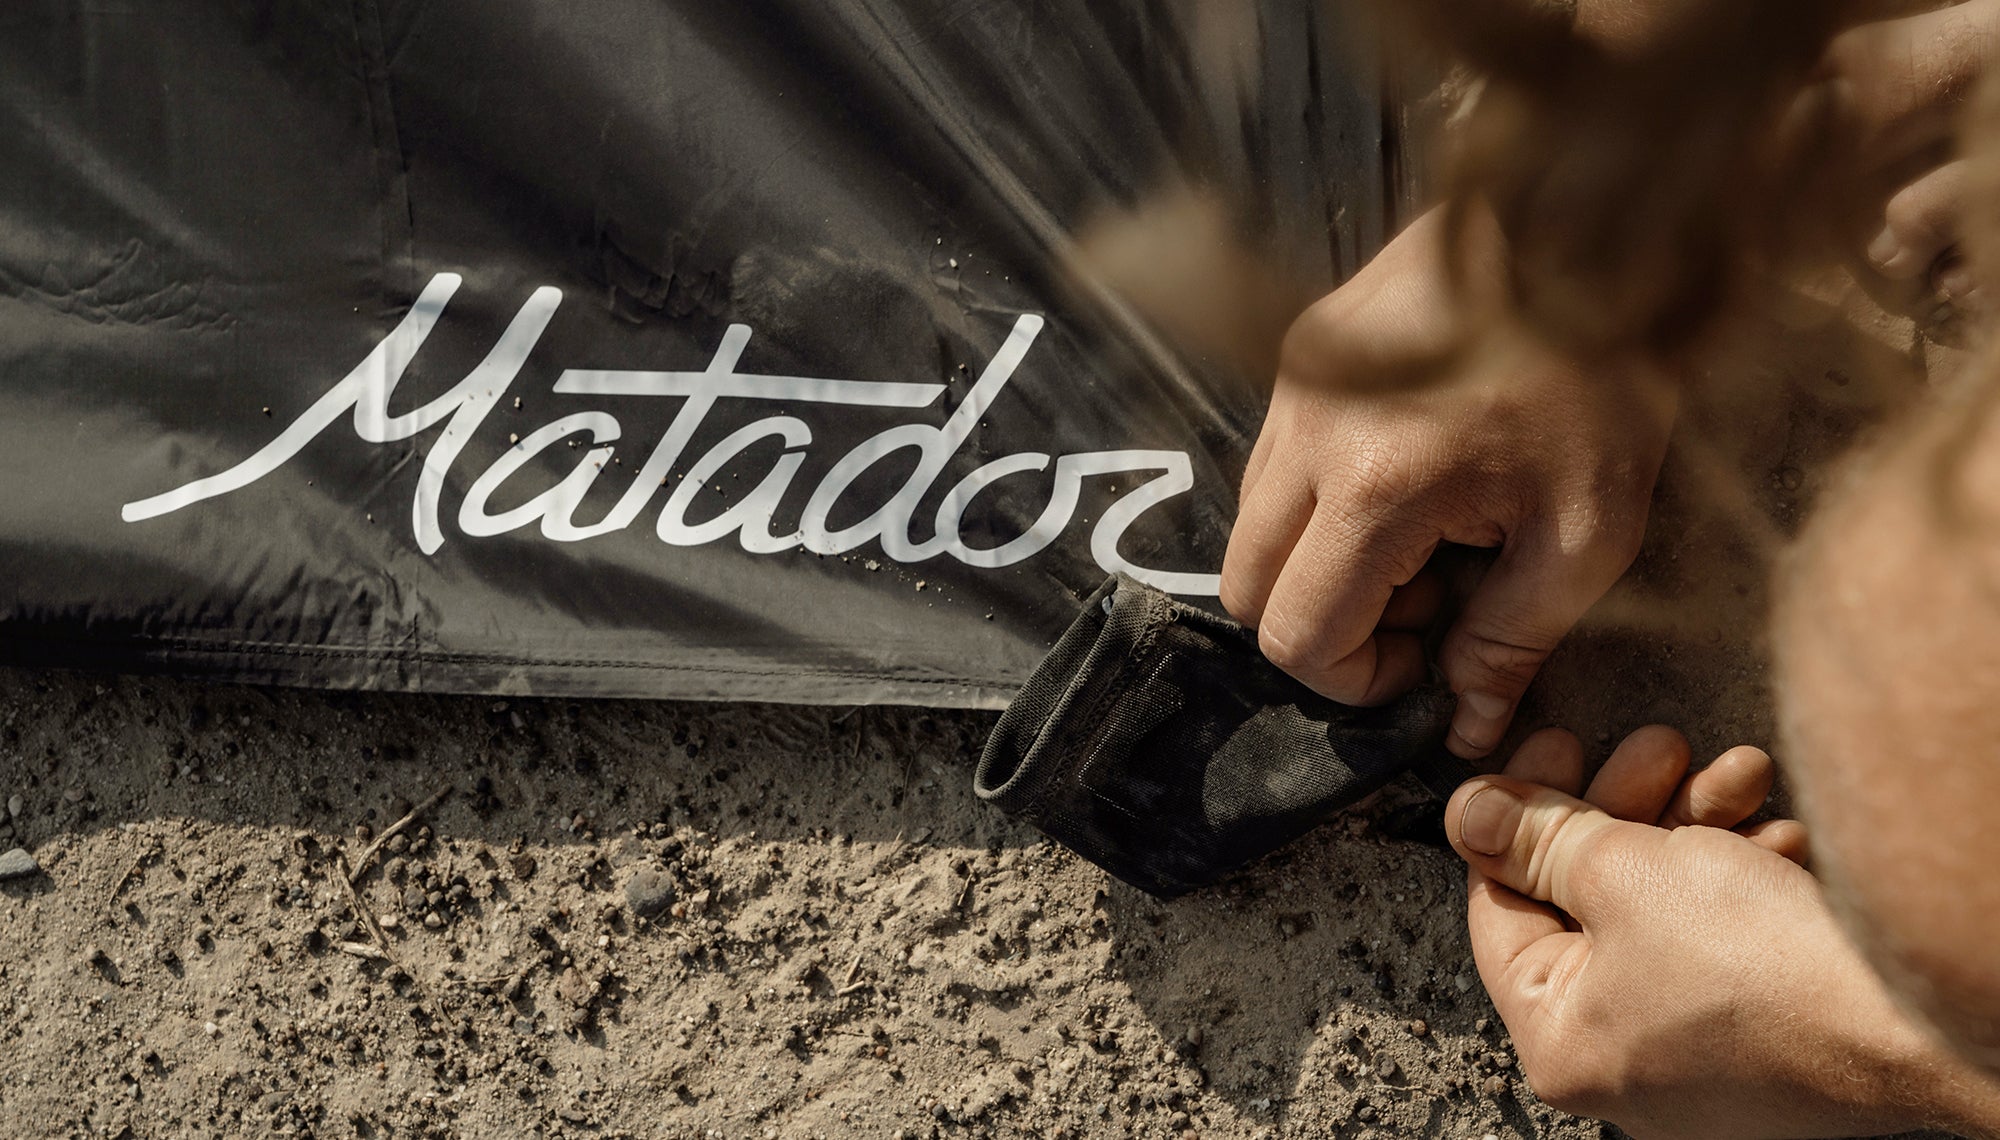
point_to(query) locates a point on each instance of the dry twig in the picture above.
(361, 864)
(362, 914)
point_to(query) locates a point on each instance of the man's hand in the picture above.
(1673, 976)
(1357, 478)
(1898, 89)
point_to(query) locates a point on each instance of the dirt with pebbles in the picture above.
(676, 920)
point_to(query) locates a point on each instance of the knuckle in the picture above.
(1487, 660)
(1240, 598)
(1916, 216)
(1703, 806)
(1567, 849)
(1380, 476)
(1300, 351)
(1314, 346)
(1603, 534)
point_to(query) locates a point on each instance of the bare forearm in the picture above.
(1960, 1098)
(1887, 1066)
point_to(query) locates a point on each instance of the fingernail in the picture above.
(1481, 719)
(1884, 248)
(1491, 819)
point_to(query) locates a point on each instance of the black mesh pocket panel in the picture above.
(1157, 742)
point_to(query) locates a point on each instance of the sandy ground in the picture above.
(842, 940)
(855, 947)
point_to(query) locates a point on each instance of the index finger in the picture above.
(1330, 596)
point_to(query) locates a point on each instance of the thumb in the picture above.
(1535, 840)
(1522, 609)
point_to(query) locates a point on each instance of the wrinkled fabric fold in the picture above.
(1156, 741)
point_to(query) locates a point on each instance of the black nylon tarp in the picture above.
(628, 347)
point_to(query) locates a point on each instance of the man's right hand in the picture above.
(1664, 967)
(1357, 479)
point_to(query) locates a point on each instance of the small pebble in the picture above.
(1387, 1069)
(1495, 1086)
(1420, 1028)
(433, 921)
(18, 864)
(649, 892)
(14, 806)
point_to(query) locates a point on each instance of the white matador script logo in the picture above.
(367, 389)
